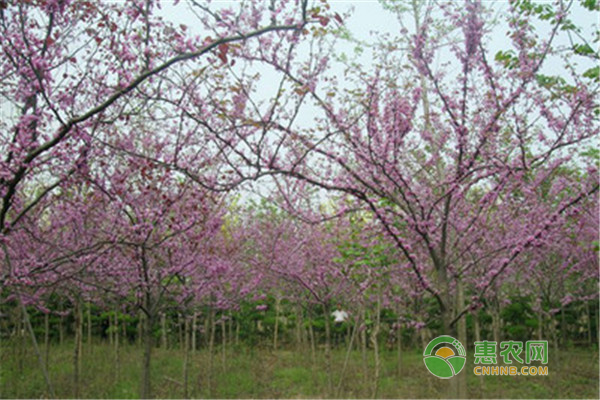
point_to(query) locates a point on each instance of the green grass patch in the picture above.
(262, 373)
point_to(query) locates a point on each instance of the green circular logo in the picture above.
(446, 361)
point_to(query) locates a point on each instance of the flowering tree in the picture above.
(452, 160)
(71, 69)
(74, 72)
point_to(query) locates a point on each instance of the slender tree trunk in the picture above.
(47, 339)
(237, 332)
(347, 334)
(496, 323)
(563, 322)
(347, 358)
(20, 316)
(186, 358)
(375, 343)
(276, 329)
(147, 341)
(563, 327)
(140, 328)
(111, 328)
(299, 327)
(328, 350)
(163, 331)
(476, 326)
(313, 350)
(423, 338)
(554, 330)
(399, 342)
(89, 326)
(462, 337)
(207, 329)
(363, 346)
(230, 329)
(194, 330)
(477, 329)
(589, 322)
(223, 345)
(80, 333)
(211, 347)
(180, 329)
(61, 330)
(77, 347)
(399, 349)
(36, 348)
(117, 356)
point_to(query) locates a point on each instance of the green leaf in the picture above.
(507, 58)
(549, 81)
(591, 152)
(583, 49)
(591, 5)
(592, 73)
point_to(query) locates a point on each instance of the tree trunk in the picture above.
(462, 337)
(328, 350)
(237, 332)
(19, 348)
(186, 358)
(589, 322)
(140, 328)
(163, 331)
(375, 343)
(47, 338)
(211, 347)
(299, 327)
(476, 326)
(78, 325)
(347, 358)
(180, 329)
(61, 331)
(117, 357)
(207, 328)
(563, 327)
(563, 322)
(363, 345)
(276, 329)
(496, 324)
(230, 329)
(399, 342)
(194, 330)
(21, 340)
(36, 348)
(147, 342)
(223, 345)
(89, 327)
(477, 329)
(554, 330)
(111, 328)
(80, 332)
(313, 350)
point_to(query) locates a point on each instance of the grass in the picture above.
(263, 373)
